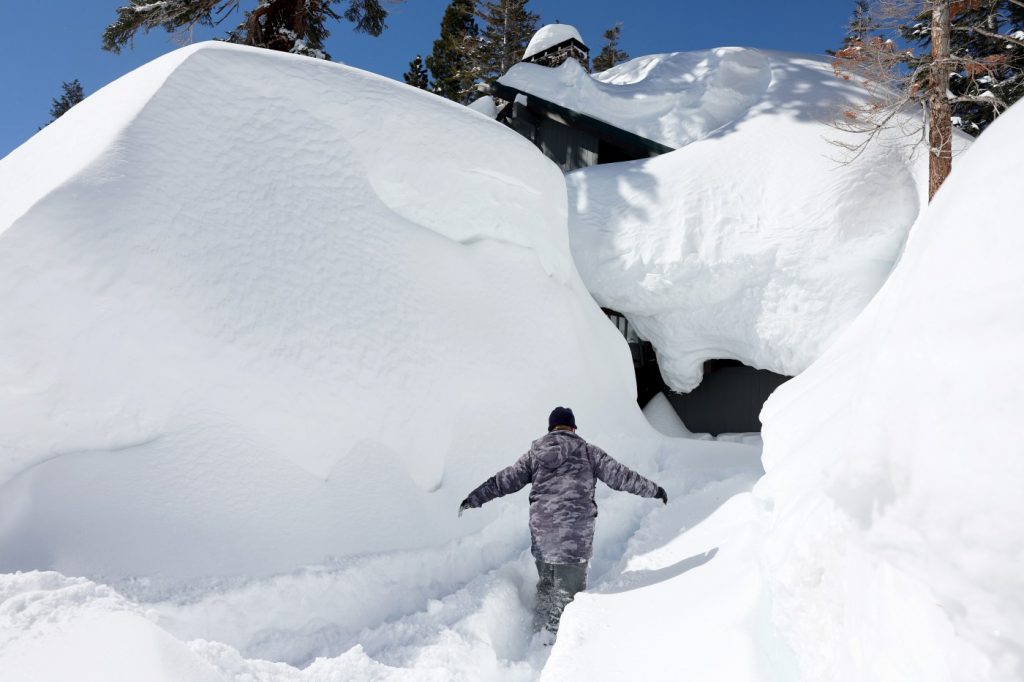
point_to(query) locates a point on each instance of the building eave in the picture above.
(595, 126)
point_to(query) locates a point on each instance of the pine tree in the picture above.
(508, 27)
(861, 25)
(987, 58)
(453, 60)
(912, 52)
(297, 26)
(610, 54)
(417, 75)
(71, 94)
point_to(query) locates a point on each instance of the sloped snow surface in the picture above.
(266, 321)
(894, 463)
(751, 241)
(268, 278)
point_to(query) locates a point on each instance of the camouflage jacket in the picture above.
(564, 470)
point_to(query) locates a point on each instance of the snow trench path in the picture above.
(461, 611)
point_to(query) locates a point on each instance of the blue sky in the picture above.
(62, 41)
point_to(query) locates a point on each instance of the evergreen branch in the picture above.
(989, 34)
(168, 14)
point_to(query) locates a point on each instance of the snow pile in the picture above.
(485, 105)
(265, 299)
(894, 464)
(750, 241)
(549, 36)
(57, 628)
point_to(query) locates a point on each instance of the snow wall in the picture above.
(252, 300)
(751, 241)
(894, 463)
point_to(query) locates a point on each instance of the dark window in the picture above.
(608, 152)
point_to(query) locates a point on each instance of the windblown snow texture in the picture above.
(894, 464)
(255, 275)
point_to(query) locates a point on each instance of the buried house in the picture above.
(708, 213)
(568, 136)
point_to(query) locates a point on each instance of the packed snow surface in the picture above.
(894, 463)
(265, 326)
(549, 36)
(268, 319)
(751, 241)
(266, 277)
(456, 611)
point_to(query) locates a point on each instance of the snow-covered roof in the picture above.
(672, 99)
(549, 36)
(749, 241)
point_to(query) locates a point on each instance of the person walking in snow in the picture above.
(564, 470)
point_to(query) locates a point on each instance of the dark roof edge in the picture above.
(556, 46)
(595, 126)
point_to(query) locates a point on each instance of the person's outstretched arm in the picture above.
(618, 476)
(508, 480)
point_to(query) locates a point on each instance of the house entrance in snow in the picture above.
(728, 400)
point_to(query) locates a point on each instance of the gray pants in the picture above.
(557, 585)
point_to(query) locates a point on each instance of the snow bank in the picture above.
(54, 629)
(267, 298)
(750, 241)
(894, 464)
(549, 36)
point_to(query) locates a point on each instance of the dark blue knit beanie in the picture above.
(561, 416)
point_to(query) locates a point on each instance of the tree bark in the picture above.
(940, 127)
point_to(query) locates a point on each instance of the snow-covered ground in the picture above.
(750, 241)
(244, 386)
(258, 345)
(456, 611)
(267, 276)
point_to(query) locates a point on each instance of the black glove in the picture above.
(661, 495)
(464, 506)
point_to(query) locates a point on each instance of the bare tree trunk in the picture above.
(940, 127)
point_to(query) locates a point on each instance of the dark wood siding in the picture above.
(570, 149)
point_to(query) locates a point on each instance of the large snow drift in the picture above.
(248, 306)
(894, 463)
(750, 241)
